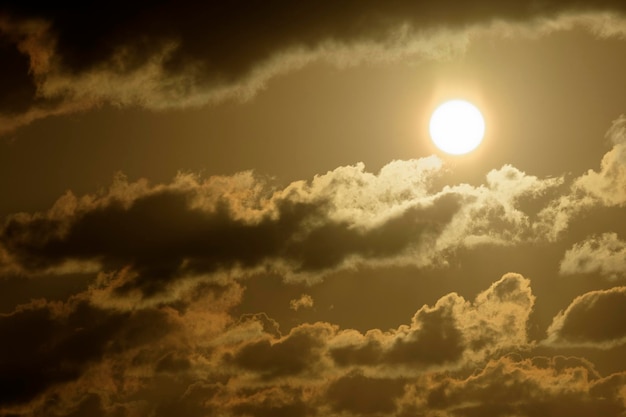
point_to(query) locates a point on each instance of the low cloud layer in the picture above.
(454, 358)
(62, 60)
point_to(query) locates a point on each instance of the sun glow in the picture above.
(457, 127)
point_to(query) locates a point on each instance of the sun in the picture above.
(457, 127)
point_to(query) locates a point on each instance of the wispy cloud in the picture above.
(201, 54)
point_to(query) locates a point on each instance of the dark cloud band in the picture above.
(64, 59)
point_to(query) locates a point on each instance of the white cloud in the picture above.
(490, 214)
(609, 184)
(604, 254)
(606, 187)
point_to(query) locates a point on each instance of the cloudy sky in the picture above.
(235, 209)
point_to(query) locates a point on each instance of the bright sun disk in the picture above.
(457, 127)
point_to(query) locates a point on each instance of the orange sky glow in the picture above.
(236, 209)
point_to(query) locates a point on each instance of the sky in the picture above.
(235, 209)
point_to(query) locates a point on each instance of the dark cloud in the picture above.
(508, 387)
(451, 332)
(78, 359)
(280, 402)
(17, 89)
(367, 353)
(77, 343)
(269, 325)
(91, 405)
(84, 41)
(173, 363)
(362, 395)
(589, 320)
(163, 235)
(48, 344)
(229, 39)
(298, 352)
(150, 238)
(192, 403)
(178, 54)
(436, 339)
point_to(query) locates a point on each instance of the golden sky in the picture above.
(235, 209)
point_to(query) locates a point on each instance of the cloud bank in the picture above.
(152, 241)
(454, 358)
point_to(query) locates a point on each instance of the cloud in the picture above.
(58, 358)
(433, 337)
(432, 367)
(46, 344)
(358, 394)
(452, 331)
(299, 353)
(328, 366)
(609, 184)
(152, 242)
(153, 236)
(176, 55)
(603, 188)
(454, 358)
(528, 387)
(589, 321)
(492, 213)
(604, 254)
(305, 301)
(270, 402)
